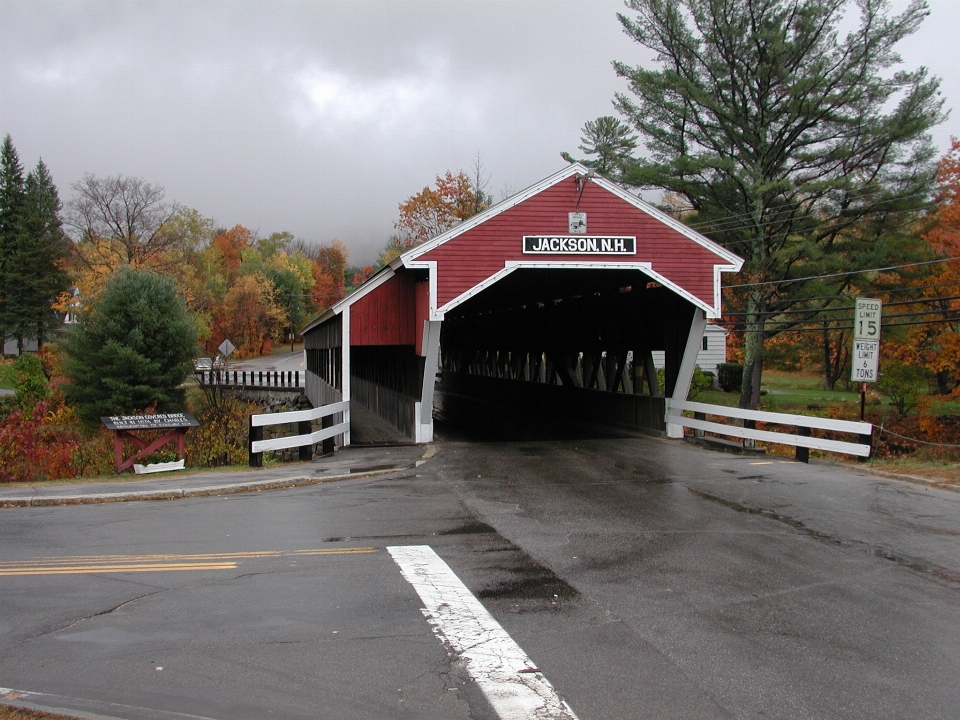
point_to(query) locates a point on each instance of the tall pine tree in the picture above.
(798, 147)
(11, 211)
(38, 262)
(33, 250)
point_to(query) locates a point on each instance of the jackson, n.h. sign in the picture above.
(579, 245)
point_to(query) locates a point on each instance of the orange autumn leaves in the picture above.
(255, 291)
(935, 345)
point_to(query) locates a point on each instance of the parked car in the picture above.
(202, 364)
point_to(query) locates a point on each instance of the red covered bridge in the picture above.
(556, 296)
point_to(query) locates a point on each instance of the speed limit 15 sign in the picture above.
(866, 340)
(866, 319)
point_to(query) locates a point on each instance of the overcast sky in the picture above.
(320, 117)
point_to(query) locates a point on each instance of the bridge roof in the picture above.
(532, 229)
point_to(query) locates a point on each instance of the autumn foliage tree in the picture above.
(932, 342)
(124, 214)
(435, 210)
(250, 315)
(329, 274)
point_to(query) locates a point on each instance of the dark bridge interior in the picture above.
(574, 343)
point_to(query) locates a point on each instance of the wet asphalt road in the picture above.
(646, 579)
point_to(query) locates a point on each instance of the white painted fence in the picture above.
(303, 418)
(864, 430)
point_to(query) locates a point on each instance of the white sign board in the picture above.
(577, 222)
(578, 245)
(866, 361)
(226, 347)
(866, 340)
(866, 319)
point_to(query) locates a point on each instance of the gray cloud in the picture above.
(320, 117)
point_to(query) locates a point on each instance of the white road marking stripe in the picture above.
(508, 678)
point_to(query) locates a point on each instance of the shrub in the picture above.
(730, 377)
(6, 373)
(701, 381)
(902, 383)
(30, 382)
(37, 445)
(223, 435)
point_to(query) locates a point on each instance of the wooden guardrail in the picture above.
(804, 423)
(306, 438)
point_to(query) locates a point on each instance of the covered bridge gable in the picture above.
(491, 245)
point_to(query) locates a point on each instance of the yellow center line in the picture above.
(80, 564)
(82, 569)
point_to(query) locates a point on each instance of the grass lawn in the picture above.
(798, 393)
(803, 394)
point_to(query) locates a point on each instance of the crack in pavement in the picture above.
(91, 616)
(916, 564)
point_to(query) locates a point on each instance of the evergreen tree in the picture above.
(793, 145)
(131, 349)
(36, 263)
(11, 210)
(611, 141)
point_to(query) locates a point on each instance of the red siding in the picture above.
(469, 259)
(387, 315)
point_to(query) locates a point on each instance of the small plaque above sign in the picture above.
(577, 223)
(149, 422)
(578, 245)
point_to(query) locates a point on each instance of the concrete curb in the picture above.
(179, 493)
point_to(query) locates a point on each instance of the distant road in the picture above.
(284, 362)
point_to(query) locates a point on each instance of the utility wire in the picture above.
(741, 327)
(786, 208)
(890, 291)
(848, 308)
(732, 222)
(843, 274)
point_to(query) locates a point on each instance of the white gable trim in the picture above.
(510, 266)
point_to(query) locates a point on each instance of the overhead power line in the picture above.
(741, 327)
(847, 308)
(787, 208)
(787, 281)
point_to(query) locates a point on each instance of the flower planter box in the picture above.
(158, 467)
